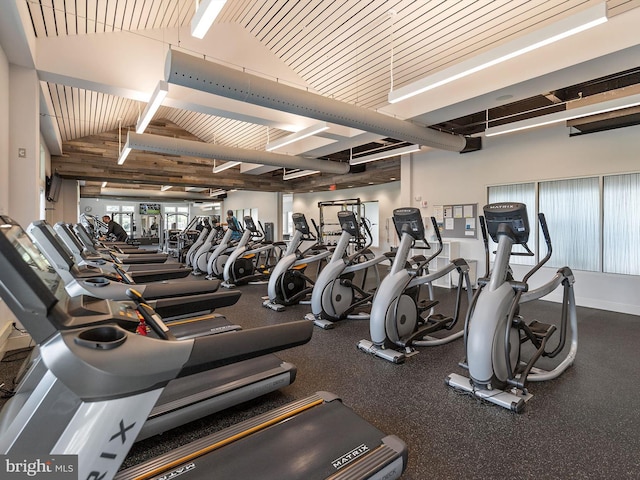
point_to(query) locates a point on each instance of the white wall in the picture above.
(6, 317)
(24, 132)
(267, 204)
(4, 133)
(387, 196)
(543, 154)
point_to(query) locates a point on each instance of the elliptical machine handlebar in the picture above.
(547, 239)
(440, 245)
(369, 241)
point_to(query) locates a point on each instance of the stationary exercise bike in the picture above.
(494, 329)
(336, 295)
(400, 318)
(288, 284)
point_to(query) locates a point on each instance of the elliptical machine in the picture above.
(200, 257)
(244, 264)
(336, 295)
(288, 284)
(494, 329)
(399, 317)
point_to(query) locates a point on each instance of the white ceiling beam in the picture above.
(620, 33)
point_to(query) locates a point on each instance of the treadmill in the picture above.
(183, 399)
(94, 404)
(140, 273)
(109, 254)
(170, 299)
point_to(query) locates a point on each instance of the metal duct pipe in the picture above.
(179, 146)
(200, 74)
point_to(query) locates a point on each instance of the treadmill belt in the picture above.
(313, 444)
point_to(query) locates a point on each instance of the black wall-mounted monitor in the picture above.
(53, 184)
(408, 220)
(149, 209)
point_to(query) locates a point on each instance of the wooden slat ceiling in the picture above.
(351, 50)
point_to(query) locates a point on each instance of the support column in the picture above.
(4, 134)
(406, 183)
(24, 145)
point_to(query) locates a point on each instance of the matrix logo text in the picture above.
(54, 467)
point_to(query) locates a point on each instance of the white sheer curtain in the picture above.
(523, 193)
(621, 235)
(572, 210)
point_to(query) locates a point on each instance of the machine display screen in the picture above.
(348, 222)
(408, 220)
(300, 223)
(32, 257)
(511, 214)
(249, 224)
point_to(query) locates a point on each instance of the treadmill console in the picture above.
(348, 222)
(508, 217)
(31, 288)
(300, 223)
(408, 220)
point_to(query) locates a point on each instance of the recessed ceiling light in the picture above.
(392, 178)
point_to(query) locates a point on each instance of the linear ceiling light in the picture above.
(216, 192)
(386, 154)
(298, 174)
(157, 97)
(206, 13)
(104, 184)
(124, 153)
(224, 166)
(164, 188)
(294, 137)
(552, 33)
(569, 114)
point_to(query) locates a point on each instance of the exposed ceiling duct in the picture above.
(200, 74)
(178, 146)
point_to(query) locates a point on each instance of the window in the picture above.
(372, 214)
(621, 224)
(287, 215)
(572, 211)
(593, 222)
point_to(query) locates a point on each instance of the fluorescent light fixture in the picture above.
(294, 137)
(224, 166)
(216, 192)
(386, 154)
(297, 174)
(564, 28)
(124, 153)
(157, 97)
(206, 13)
(164, 188)
(104, 184)
(569, 114)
